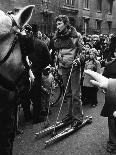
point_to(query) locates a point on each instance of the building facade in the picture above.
(96, 16)
(88, 16)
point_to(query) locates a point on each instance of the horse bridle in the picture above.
(4, 82)
(10, 50)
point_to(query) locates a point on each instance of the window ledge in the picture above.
(98, 11)
(69, 9)
(109, 13)
(86, 9)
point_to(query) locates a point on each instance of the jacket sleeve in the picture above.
(46, 59)
(111, 90)
(79, 43)
(42, 56)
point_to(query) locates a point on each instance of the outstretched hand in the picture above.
(99, 80)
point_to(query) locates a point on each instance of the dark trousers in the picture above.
(73, 94)
(8, 113)
(36, 98)
(84, 94)
(7, 130)
(89, 95)
(112, 131)
(25, 102)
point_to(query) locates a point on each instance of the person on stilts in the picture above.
(69, 44)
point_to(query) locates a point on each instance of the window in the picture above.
(86, 4)
(70, 2)
(110, 6)
(72, 20)
(99, 5)
(86, 25)
(109, 26)
(98, 25)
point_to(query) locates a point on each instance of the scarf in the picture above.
(63, 39)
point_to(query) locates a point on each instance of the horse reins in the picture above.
(10, 50)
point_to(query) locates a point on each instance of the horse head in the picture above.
(11, 64)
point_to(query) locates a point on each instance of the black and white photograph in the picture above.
(58, 77)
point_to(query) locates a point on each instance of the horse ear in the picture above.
(24, 15)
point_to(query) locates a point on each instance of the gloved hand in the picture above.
(76, 62)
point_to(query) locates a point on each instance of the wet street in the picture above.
(89, 140)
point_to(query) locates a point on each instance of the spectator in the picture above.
(90, 92)
(52, 49)
(40, 58)
(26, 45)
(84, 58)
(46, 39)
(39, 35)
(107, 111)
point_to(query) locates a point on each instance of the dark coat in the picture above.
(110, 104)
(111, 99)
(40, 57)
(110, 69)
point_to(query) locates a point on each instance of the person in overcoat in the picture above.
(109, 109)
(90, 91)
(40, 59)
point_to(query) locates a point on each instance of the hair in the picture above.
(28, 27)
(63, 18)
(89, 44)
(94, 51)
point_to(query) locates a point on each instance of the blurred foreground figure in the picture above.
(109, 86)
(12, 70)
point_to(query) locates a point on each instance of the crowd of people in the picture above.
(75, 54)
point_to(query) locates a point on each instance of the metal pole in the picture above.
(63, 99)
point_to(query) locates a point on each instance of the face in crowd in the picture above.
(39, 35)
(92, 54)
(62, 21)
(87, 47)
(60, 25)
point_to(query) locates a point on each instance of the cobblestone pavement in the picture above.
(90, 140)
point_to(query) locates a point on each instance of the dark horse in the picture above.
(11, 70)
